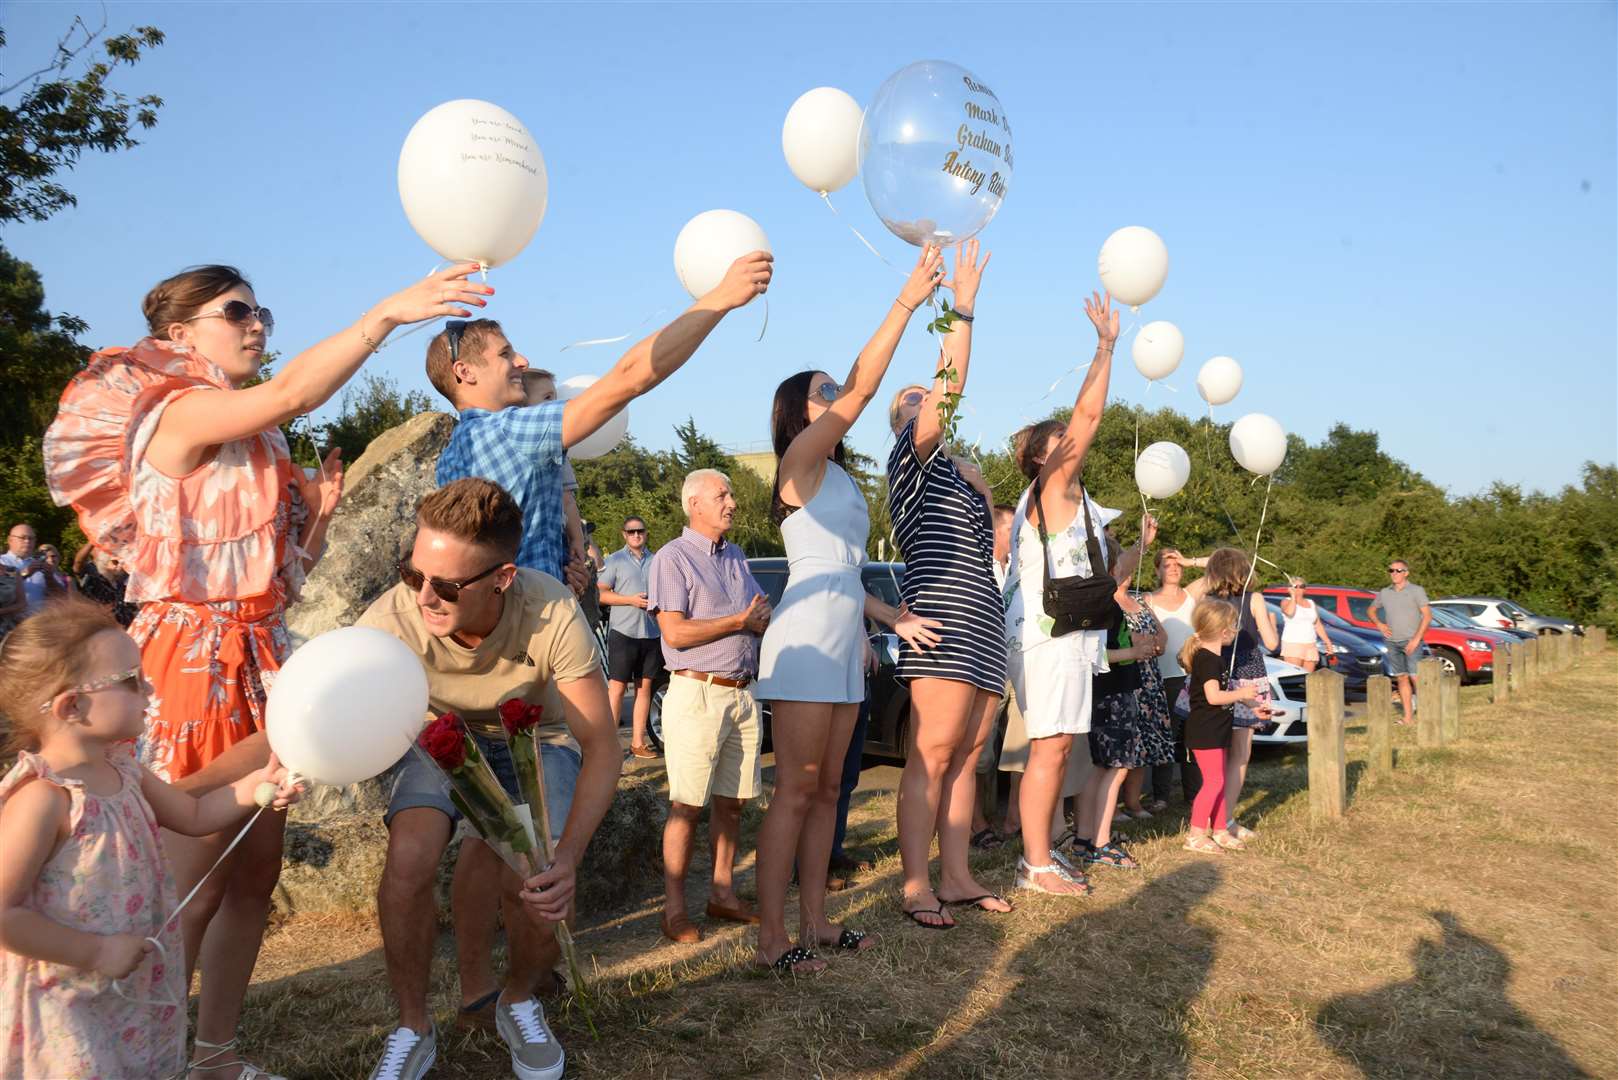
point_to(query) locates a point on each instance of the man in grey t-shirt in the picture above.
(1400, 611)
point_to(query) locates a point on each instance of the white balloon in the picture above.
(347, 705)
(709, 243)
(1157, 349)
(821, 138)
(603, 438)
(1258, 443)
(1220, 380)
(1134, 263)
(1162, 470)
(472, 181)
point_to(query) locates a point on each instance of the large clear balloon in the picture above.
(1134, 263)
(709, 243)
(1162, 470)
(1258, 443)
(935, 150)
(346, 706)
(472, 181)
(1220, 380)
(1157, 349)
(821, 138)
(606, 436)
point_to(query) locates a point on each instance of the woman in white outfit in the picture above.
(1051, 676)
(813, 657)
(1302, 627)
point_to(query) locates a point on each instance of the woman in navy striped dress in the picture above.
(942, 524)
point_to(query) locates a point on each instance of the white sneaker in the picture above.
(407, 1055)
(535, 1053)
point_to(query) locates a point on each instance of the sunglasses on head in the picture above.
(131, 680)
(447, 591)
(454, 329)
(240, 314)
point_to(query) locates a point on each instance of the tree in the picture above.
(369, 409)
(38, 353)
(61, 114)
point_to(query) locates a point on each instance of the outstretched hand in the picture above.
(968, 276)
(446, 293)
(925, 276)
(1104, 317)
(748, 276)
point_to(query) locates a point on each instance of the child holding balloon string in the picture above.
(92, 976)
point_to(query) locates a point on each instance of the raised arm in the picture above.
(207, 418)
(805, 460)
(655, 358)
(1265, 621)
(1066, 462)
(1129, 559)
(956, 348)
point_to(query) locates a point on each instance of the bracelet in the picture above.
(964, 317)
(1104, 348)
(904, 305)
(370, 342)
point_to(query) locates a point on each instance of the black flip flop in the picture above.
(987, 840)
(916, 914)
(977, 902)
(787, 961)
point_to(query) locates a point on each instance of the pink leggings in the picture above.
(1209, 805)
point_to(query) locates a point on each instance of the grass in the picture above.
(1459, 922)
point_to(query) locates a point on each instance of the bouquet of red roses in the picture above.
(477, 794)
(522, 736)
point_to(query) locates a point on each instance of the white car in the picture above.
(1287, 706)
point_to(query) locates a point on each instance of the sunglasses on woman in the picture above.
(131, 680)
(239, 314)
(827, 392)
(447, 591)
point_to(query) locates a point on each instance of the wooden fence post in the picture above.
(1530, 667)
(1519, 666)
(1328, 761)
(1450, 709)
(1501, 663)
(1379, 723)
(1429, 674)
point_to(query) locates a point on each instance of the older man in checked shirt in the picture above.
(712, 614)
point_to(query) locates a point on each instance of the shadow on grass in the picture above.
(1116, 985)
(1452, 1017)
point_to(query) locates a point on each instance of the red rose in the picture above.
(519, 715)
(445, 741)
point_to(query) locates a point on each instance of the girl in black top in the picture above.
(1208, 730)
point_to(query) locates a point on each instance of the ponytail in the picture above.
(1210, 619)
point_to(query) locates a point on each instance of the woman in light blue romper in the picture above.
(813, 658)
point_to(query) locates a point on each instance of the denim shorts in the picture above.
(1401, 662)
(415, 782)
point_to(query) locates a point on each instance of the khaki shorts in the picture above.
(711, 737)
(1014, 750)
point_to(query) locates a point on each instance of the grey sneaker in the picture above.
(407, 1055)
(535, 1053)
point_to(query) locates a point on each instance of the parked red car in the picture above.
(1461, 651)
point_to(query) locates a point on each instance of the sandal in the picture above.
(849, 940)
(249, 1071)
(1026, 876)
(1228, 842)
(1204, 844)
(1109, 854)
(787, 963)
(977, 902)
(915, 916)
(986, 839)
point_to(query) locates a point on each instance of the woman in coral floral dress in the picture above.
(177, 466)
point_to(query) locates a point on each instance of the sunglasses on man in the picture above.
(446, 590)
(239, 314)
(1398, 570)
(634, 532)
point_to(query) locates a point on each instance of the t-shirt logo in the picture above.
(524, 659)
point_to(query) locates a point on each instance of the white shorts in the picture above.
(1052, 683)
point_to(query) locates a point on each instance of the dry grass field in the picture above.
(1459, 922)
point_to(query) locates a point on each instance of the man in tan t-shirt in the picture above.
(488, 632)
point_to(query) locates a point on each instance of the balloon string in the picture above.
(1145, 512)
(825, 197)
(1252, 563)
(613, 340)
(766, 325)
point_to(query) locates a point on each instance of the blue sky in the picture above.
(1398, 216)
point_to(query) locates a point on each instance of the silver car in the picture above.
(1493, 613)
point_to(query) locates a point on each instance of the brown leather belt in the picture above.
(717, 680)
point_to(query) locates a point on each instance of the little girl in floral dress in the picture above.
(91, 971)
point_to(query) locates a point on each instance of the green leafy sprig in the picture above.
(949, 405)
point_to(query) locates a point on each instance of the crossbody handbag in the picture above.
(1077, 603)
